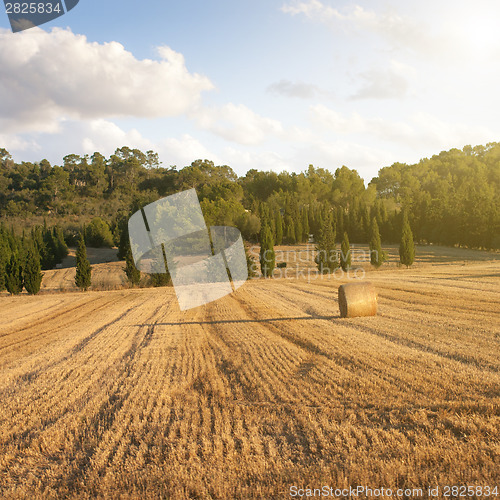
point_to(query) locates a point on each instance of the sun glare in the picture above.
(479, 29)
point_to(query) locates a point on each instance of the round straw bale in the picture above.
(357, 299)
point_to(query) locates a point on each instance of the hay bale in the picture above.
(357, 299)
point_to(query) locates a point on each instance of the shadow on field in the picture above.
(222, 321)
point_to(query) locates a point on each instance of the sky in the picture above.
(267, 84)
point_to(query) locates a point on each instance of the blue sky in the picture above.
(263, 84)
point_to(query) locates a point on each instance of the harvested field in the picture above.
(118, 394)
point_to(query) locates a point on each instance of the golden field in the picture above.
(119, 394)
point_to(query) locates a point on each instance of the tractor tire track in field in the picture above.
(127, 396)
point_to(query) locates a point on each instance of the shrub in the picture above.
(98, 234)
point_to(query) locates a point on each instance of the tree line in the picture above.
(23, 257)
(452, 198)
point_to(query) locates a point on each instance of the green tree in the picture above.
(279, 228)
(251, 267)
(249, 225)
(4, 255)
(60, 244)
(299, 232)
(407, 246)
(326, 258)
(162, 279)
(32, 271)
(377, 255)
(133, 274)
(345, 253)
(267, 255)
(98, 234)
(340, 222)
(2, 275)
(291, 237)
(14, 275)
(83, 277)
(305, 224)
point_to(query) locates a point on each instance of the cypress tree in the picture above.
(4, 257)
(162, 279)
(406, 246)
(365, 222)
(49, 254)
(340, 222)
(384, 223)
(267, 255)
(305, 224)
(14, 275)
(290, 231)
(32, 271)
(377, 256)
(345, 253)
(133, 274)
(62, 248)
(2, 275)
(299, 232)
(83, 276)
(326, 258)
(250, 264)
(279, 228)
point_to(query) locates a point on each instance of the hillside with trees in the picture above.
(452, 198)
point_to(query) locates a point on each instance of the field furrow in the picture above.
(120, 394)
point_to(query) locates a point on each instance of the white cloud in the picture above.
(50, 75)
(237, 123)
(297, 89)
(312, 9)
(184, 151)
(15, 143)
(399, 31)
(105, 136)
(421, 131)
(389, 83)
(242, 160)
(78, 137)
(87, 137)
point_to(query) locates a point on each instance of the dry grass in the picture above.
(120, 395)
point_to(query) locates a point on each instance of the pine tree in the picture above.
(377, 256)
(406, 247)
(279, 228)
(326, 258)
(83, 277)
(14, 275)
(32, 271)
(133, 274)
(345, 253)
(267, 255)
